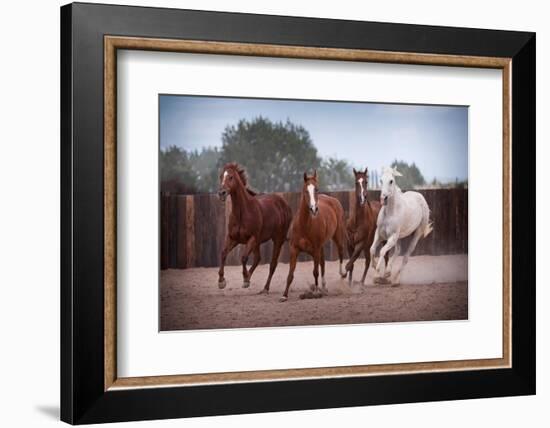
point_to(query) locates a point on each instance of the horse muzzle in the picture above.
(383, 200)
(314, 211)
(222, 194)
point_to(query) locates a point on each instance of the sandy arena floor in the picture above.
(432, 288)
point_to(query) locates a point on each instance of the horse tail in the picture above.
(426, 213)
(287, 220)
(428, 229)
(343, 230)
(288, 235)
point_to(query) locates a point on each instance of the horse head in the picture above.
(361, 185)
(232, 177)
(388, 184)
(310, 191)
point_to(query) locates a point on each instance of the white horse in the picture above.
(401, 215)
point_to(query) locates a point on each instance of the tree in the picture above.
(275, 154)
(205, 167)
(412, 177)
(176, 171)
(335, 174)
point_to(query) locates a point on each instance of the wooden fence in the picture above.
(193, 227)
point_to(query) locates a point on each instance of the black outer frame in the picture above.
(83, 399)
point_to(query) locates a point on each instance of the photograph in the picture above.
(276, 210)
(290, 212)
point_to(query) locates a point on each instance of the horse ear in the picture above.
(354, 172)
(305, 176)
(315, 173)
(396, 173)
(366, 171)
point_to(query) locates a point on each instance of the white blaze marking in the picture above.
(361, 185)
(310, 189)
(224, 177)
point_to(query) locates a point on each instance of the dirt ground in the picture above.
(432, 288)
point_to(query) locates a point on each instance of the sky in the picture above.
(364, 134)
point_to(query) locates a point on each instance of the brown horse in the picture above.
(319, 219)
(361, 225)
(254, 220)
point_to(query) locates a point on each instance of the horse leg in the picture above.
(396, 252)
(367, 264)
(273, 265)
(257, 257)
(373, 248)
(250, 246)
(316, 262)
(381, 265)
(338, 239)
(229, 245)
(417, 235)
(353, 258)
(292, 267)
(350, 253)
(323, 281)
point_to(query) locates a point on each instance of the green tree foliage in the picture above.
(412, 177)
(275, 155)
(335, 174)
(456, 183)
(205, 167)
(176, 171)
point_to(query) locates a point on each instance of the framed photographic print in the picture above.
(265, 213)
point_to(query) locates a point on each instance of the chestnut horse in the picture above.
(361, 225)
(254, 219)
(319, 219)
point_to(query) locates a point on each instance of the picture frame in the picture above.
(91, 391)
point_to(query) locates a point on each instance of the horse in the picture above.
(361, 225)
(402, 214)
(254, 219)
(319, 218)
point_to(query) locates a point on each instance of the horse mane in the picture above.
(239, 169)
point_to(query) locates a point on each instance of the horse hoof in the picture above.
(314, 294)
(246, 284)
(283, 299)
(324, 291)
(307, 294)
(312, 287)
(395, 284)
(264, 291)
(379, 280)
(222, 284)
(344, 273)
(387, 274)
